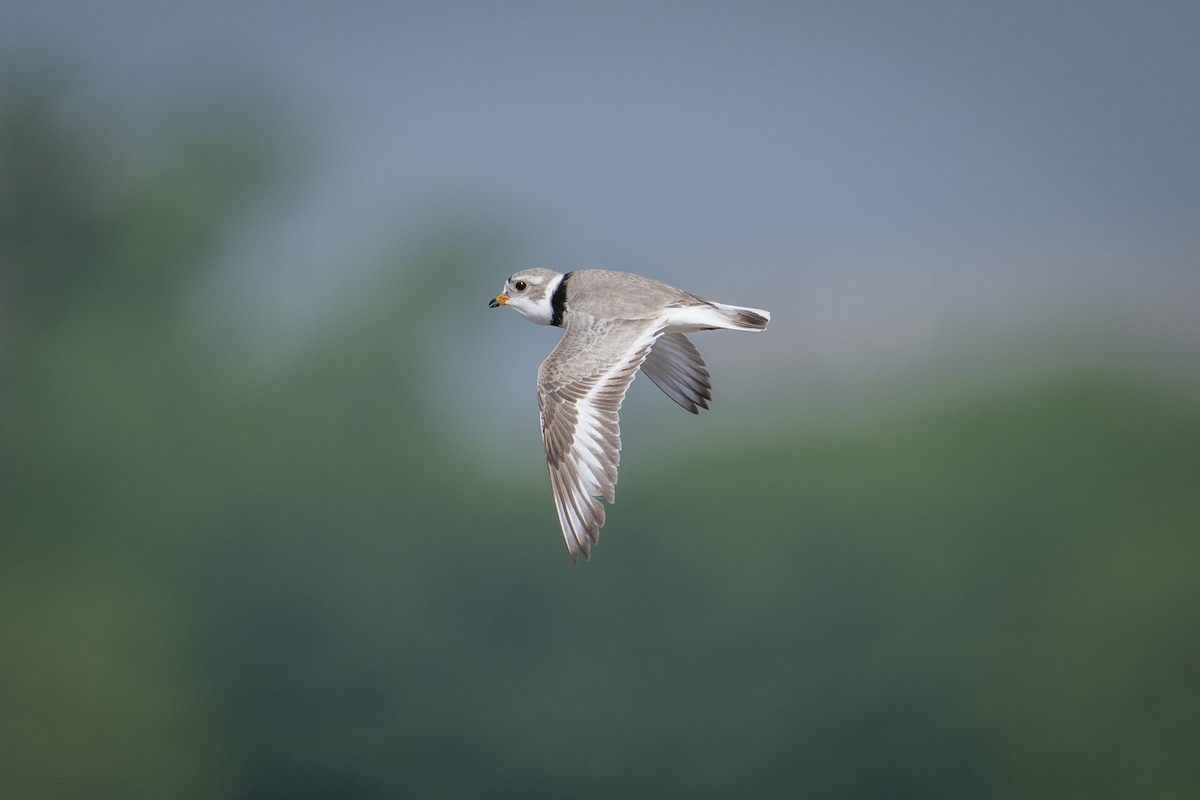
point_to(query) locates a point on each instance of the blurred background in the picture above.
(274, 517)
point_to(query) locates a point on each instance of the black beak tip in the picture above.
(493, 303)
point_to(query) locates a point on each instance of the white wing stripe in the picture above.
(588, 469)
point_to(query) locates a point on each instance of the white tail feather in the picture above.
(717, 315)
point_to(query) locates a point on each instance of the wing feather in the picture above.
(581, 386)
(675, 366)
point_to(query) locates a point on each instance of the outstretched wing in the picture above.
(675, 366)
(580, 388)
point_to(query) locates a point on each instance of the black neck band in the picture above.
(558, 301)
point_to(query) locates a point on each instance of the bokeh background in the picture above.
(274, 520)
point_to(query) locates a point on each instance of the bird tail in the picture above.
(708, 315)
(749, 319)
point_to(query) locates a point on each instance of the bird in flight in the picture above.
(615, 323)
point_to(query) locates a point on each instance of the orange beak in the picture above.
(500, 300)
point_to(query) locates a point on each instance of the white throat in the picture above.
(540, 310)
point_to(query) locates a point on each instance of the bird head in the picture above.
(529, 292)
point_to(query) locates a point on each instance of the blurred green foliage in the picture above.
(310, 588)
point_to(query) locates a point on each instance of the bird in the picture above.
(615, 324)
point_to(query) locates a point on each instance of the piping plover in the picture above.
(615, 324)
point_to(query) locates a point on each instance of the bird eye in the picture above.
(520, 286)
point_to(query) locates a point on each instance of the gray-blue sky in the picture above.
(912, 168)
